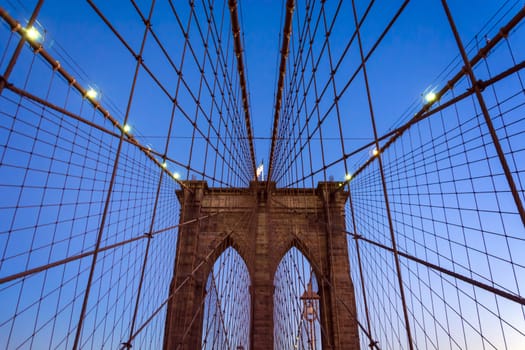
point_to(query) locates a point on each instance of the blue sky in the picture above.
(413, 54)
(454, 210)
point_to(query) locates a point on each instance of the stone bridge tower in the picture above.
(262, 226)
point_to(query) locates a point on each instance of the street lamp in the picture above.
(309, 298)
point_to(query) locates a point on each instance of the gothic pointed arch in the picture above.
(227, 303)
(257, 227)
(297, 304)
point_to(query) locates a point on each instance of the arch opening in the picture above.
(296, 315)
(227, 304)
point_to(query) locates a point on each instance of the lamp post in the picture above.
(309, 298)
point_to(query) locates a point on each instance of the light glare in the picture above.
(127, 128)
(430, 97)
(176, 175)
(91, 94)
(375, 152)
(33, 34)
(348, 177)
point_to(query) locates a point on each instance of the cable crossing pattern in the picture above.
(107, 111)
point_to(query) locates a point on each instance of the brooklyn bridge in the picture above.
(226, 174)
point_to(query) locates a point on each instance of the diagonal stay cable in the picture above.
(15, 26)
(221, 241)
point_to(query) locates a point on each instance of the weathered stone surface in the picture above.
(262, 227)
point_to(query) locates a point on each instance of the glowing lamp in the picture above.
(348, 177)
(375, 152)
(126, 128)
(33, 34)
(430, 97)
(164, 165)
(91, 94)
(176, 175)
